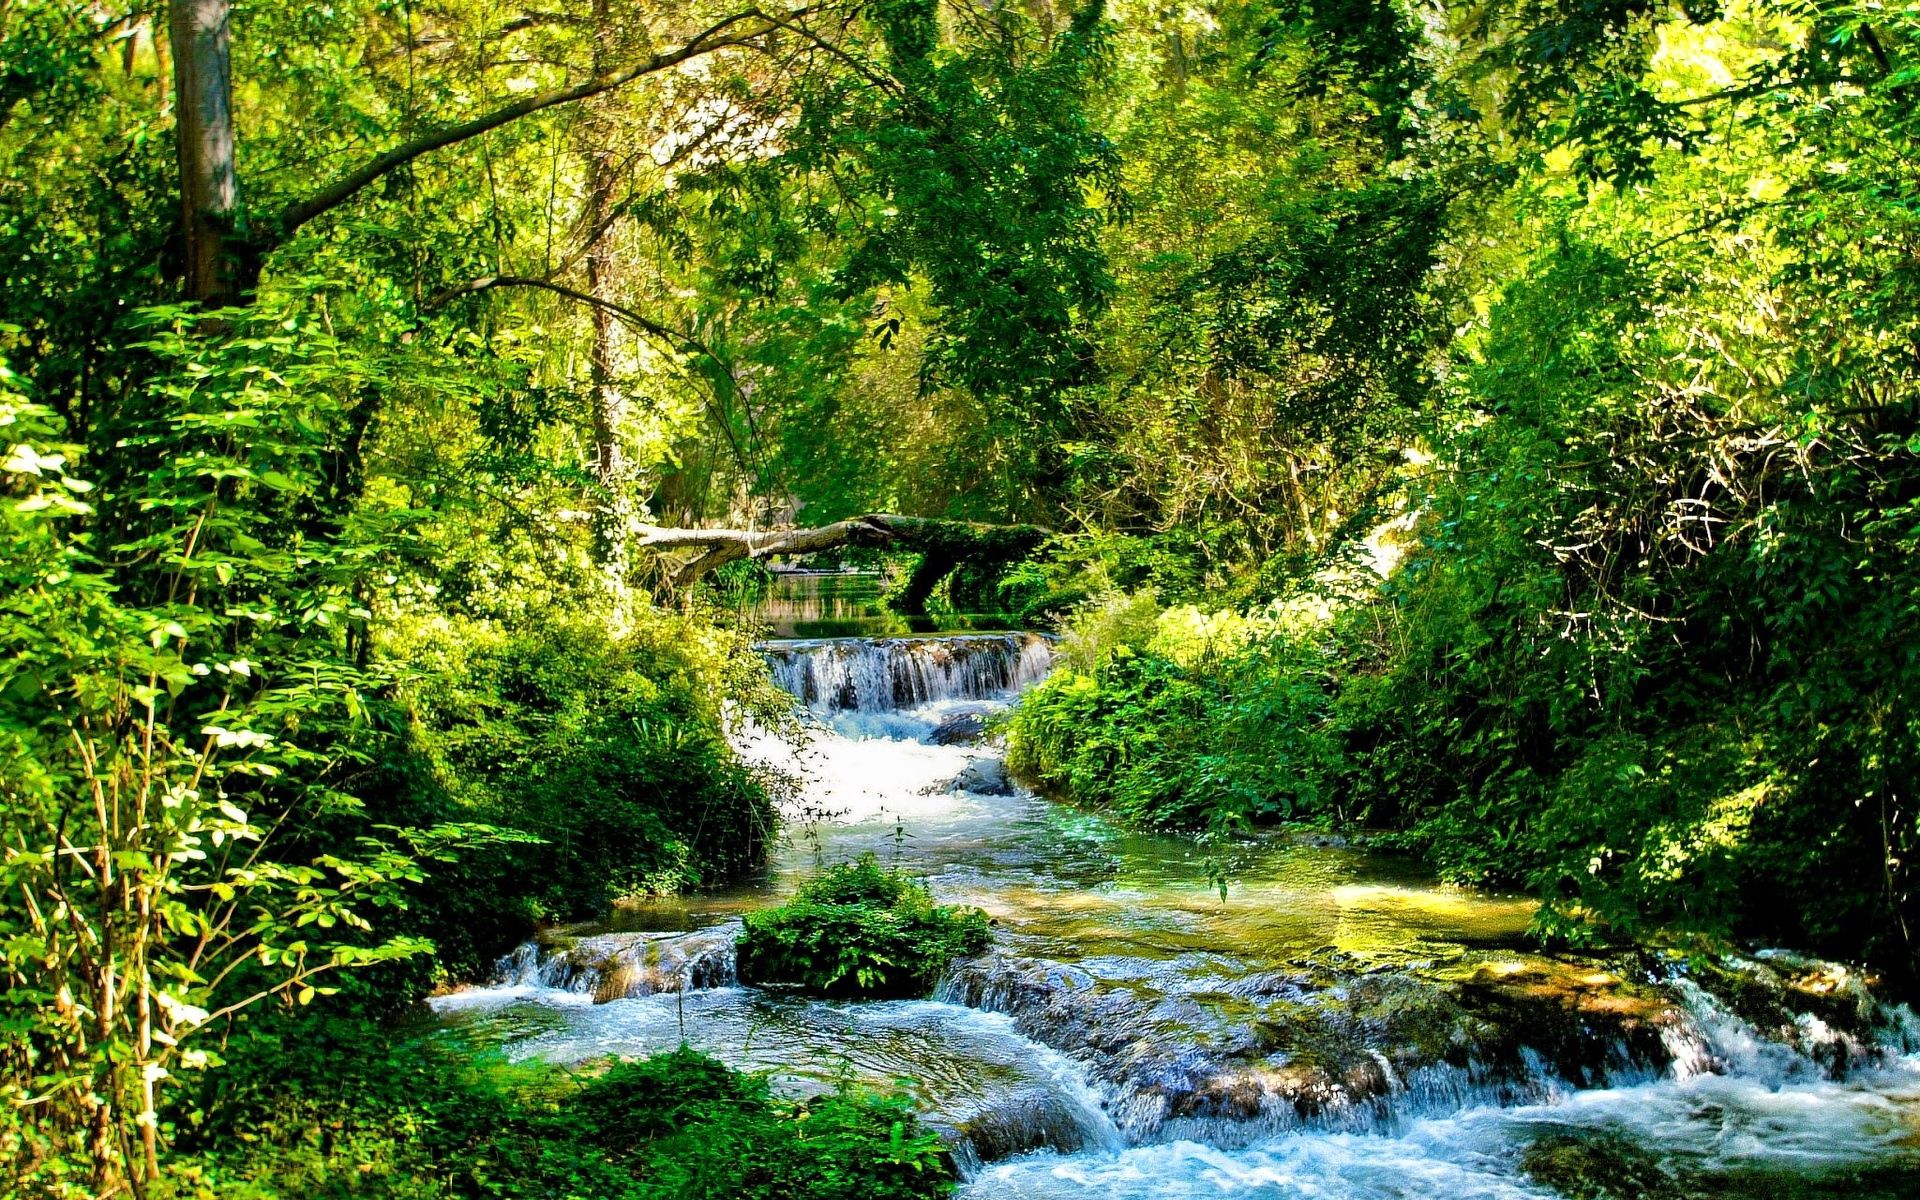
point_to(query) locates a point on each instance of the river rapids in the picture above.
(1337, 1026)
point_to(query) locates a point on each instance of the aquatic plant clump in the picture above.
(858, 930)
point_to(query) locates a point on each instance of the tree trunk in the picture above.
(203, 133)
(613, 508)
(223, 260)
(935, 565)
(951, 542)
(613, 512)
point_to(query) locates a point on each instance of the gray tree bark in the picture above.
(203, 133)
(613, 508)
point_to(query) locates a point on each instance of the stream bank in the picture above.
(1337, 1025)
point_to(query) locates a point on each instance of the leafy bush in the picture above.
(691, 1127)
(182, 703)
(1656, 678)
(610, 750)
(1180, 719)
(859, 929)
(1650, 658)
(336, 1107)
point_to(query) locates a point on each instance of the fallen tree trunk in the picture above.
(953, 541)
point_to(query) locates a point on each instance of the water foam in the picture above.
(872, 675)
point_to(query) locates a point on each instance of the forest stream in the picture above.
(1335, 1024)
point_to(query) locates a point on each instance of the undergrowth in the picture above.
(331, 1107)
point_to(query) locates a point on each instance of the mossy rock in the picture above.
(1776, 994)
(1598, 1166)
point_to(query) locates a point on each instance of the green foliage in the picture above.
(914, 284)
(609, 750)
(178, 726)
(1641, 668)
(1617, 296)
(48, 48)
(1179, 720)
(1338, 281)
(1282, 283)
(1644, 657)
(1072, 575)
(975, 172)
(858, 929)
(338, 1107)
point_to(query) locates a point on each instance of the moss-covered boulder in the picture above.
(1598, 1166)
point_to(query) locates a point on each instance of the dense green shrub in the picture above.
(693, 1128)
(1180, 721)
(859, 929)
(611, 751)
(335, 1107)
(1650, 658)
(1659, 677)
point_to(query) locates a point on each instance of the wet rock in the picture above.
(613, 966)
(1159, 1056)
(1022, 1123)
(1590, 1023)
(985, 777)
(961, 728)
(1598, 1166)
(1827, 1011)
(1318, 1045)
(1325, 841)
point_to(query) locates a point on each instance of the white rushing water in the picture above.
(1135, 1012)
(874, 675)
(1752, 1131)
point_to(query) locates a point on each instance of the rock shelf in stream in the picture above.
(615, 966)
(1236, 1058)
(1193, 1051)
(1329, 1046)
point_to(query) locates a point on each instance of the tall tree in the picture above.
(226, 252)
(612, 473)
(215, 248)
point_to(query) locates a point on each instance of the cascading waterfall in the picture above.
(616, 966)
(1338, 1026)
(883, 674)
(1365, 1075)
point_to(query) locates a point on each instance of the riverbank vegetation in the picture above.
(1490, 423)
(1645, 516)
(337, 1115)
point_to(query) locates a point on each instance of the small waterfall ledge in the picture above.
(1329, 1048)
(618, 966)
(873, 675)
(1323, 1048)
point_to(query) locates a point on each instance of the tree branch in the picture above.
(648, 325)
(299, 212)
(795, 25)
(487, 283)
(722, 546)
